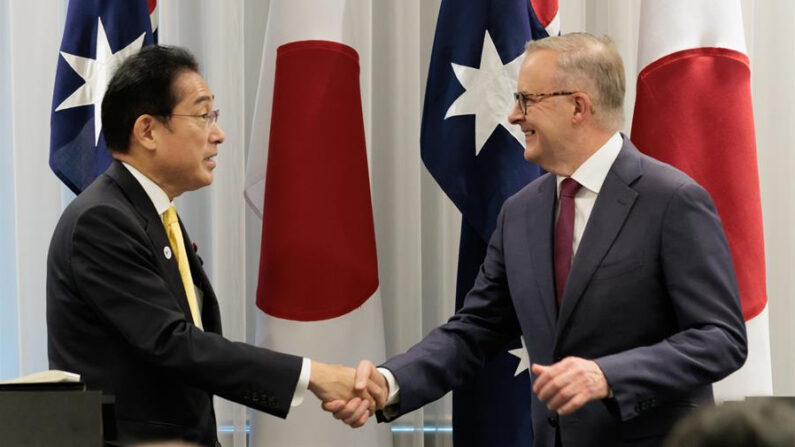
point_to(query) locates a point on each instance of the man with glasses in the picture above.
(129, 307)
(613, 266)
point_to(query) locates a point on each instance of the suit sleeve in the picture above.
(699, 277)
(114, 270)
(450, 354)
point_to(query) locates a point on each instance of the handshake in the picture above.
(352, 396)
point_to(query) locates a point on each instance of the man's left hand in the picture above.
(569, 384)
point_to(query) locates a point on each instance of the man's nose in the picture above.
(217, 134)
(516, 116)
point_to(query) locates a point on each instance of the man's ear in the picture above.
(143, 131)
(582, 107)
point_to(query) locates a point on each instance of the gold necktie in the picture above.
(178, 246)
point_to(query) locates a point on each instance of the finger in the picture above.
(555, 378)
(369, 398)
(378, 392)
(362, 420)
(563, 395)
(541, 376)
(363, 372)
(349, 409)
(555, 383)
(334, 405)
(549, 389)
(544, 384)
(537, 369)
(357, 414)
(574, 404)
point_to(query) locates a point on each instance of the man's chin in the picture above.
(205, 180)
(531, 155)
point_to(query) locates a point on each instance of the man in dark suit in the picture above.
(613, 266)
(129, 307)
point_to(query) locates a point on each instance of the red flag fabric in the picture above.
(693, 110)
(307, 176)
(547, 12)
(318, 257)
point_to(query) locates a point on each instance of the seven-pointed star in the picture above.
(524, 358)
(488, 93)
(97, 73)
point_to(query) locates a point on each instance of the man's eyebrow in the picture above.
(203, 99)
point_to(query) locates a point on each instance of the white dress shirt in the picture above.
(591, 175)
(161, 203)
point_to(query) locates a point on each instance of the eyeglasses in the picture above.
(530, 99)
(209, 118)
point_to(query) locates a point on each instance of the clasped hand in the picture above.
(350, 395)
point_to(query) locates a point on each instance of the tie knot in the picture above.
(170, 216)
(569, 187)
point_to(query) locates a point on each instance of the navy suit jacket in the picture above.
(651, 297)
(117, 315)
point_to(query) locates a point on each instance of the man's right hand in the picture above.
(336, 383)
(368, 380)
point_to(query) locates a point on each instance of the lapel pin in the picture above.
(167, 252)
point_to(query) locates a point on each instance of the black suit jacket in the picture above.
(651, 297)
(117, 315)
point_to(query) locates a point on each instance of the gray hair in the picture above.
(592, 64)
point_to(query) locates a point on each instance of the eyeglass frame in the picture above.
(210, 117)
(536, 98)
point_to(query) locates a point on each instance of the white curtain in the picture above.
(416, 226)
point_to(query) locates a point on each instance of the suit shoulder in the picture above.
(665, 184)
(528, 191)
(664, 175)
(102, 197)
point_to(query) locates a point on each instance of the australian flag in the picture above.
(98, 36)
(476, 156)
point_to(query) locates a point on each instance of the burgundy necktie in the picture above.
(564, 235)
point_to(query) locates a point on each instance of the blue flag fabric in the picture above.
(98, 35)
(477, 159)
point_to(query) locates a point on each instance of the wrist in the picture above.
(603, 387)
(317, 372)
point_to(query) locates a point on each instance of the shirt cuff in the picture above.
(394, 388)
(303, 383)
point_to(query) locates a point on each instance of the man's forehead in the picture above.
(192, 88)
(538, 67)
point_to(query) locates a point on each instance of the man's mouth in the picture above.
(210, 161)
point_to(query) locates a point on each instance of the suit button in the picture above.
(553, 421)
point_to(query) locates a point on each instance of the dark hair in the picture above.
(762, 422)
(143, 84)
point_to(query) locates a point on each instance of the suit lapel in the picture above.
(154, 229)
(609, 213)
(541, 217)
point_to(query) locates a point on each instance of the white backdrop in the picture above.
(416, 226)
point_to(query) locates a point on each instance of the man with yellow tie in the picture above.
(129, 307)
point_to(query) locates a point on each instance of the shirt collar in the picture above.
(592, 173)
(155, 193)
